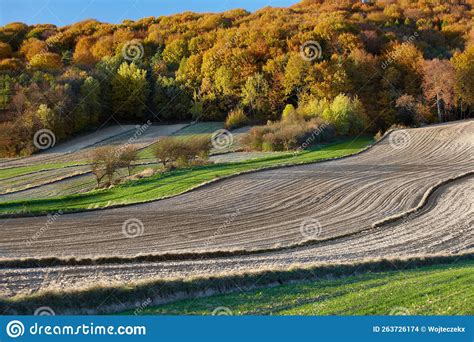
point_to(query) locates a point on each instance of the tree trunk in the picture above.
(438, 105)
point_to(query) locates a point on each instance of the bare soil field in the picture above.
(262, 210)
(442, 226)
(335, 202)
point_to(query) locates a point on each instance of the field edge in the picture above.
(91, 300)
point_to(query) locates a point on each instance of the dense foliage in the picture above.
(354, 64)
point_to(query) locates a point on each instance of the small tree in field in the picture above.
(104, 163)
(199, 147)
(167, 150)
(126, 157)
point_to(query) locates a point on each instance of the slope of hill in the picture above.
(204, 66)
(438, 219)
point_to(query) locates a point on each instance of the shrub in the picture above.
(194, 149)
(287, 135)
(201, 147)
(253, 140)
(320, 130)
(236, 119)
(289, 113)
(346, 114)
(182, 152)
(378, 136)
(311, 108)
(270, 142)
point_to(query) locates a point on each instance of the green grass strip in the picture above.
(434, 290)
(24, 170)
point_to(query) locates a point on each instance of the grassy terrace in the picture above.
(434, 290)
(176, 182)
(23, 170)
(201, 129)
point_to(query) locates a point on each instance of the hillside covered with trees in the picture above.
(360, 65)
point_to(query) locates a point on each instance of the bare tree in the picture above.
(18, 102)
(201, 147)
(126, 156)
(168, 150)
(104, 163)
(438, 84)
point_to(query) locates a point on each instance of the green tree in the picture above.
(255, 94)
(46, 116)
(295, 73)
(289, 112)
(130, 91)
(90, 106)
(175, 51)
(464, 74)
(6, 87)
(346, 114)
(170, 99)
